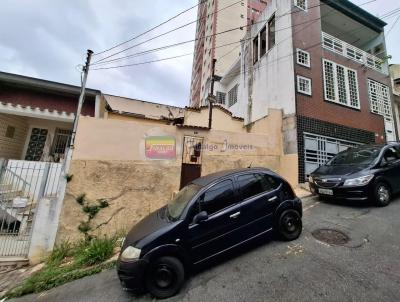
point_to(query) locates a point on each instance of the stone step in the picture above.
(8, 262)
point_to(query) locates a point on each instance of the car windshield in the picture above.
(355, 156)
(176, 206)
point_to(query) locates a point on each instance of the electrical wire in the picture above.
(212, 35)
(179, 56)
(394, 24)
(205, 36)
(169, 58)
(167, 32)
(151, 29)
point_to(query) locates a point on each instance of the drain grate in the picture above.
(331, 236)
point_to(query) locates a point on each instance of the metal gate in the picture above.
(191, 159)
(319, 149)
(22, 185)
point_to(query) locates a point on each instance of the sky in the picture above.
(48, 39)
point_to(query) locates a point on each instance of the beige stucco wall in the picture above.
(12, 148)
(109, 162)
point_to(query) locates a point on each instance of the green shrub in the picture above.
(61, 251)
(68, 177)
(103, 203)
(84, 227)
(97, 250)
(81, 199)
(91, 210)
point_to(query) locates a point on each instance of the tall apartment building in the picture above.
(324, 63)
(217, 16)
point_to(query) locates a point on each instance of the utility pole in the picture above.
(211, 96)
(81, 97)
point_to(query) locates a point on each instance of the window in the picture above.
(341, 85)
(221, 97)
(61, 141)
(303, 85)
(271, 32)
(379, 98)
(255, 49)
(302, 4)
(391, 155)
(36, 144)
(10, 131)
(263, 41)
(254, 184)
(218, 197)
(303, 58)
(232, 95)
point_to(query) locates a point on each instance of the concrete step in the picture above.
(12, 262)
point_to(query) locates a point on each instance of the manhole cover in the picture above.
(331, 236)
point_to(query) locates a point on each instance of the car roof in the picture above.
(207, 179)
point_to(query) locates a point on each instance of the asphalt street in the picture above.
(366, 268)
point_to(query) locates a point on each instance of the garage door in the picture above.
(319, 149)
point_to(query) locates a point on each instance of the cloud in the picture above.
(48, 39)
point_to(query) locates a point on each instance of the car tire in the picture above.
(382, 194)
(289, 225)
(165, 277)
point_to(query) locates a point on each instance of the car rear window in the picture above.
(255, 183)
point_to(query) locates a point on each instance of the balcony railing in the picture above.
(351, 52)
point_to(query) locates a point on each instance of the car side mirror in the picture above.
(201, 217)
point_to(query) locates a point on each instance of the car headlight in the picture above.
(130, 253)
(359, 181)
(310, 179)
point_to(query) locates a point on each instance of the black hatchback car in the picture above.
(211, 215)
(370, 172)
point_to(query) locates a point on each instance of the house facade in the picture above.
(36, 116)
(325, 65)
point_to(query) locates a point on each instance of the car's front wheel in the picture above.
(382, 194)
(289, 225)
(165, 277)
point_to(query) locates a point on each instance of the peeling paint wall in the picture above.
(109, 162)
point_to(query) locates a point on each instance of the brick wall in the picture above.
(45, 100)
(314, 126)
(308, 37)
(11, 148)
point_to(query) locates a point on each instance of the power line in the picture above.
(202, 37)
(146, 62)
(394, 24)
(167, 32)
(151, 29)
(169, 58)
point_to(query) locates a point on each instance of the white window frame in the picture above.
(308, 64)
(299, 78)
(336, 87)
(296, 3)
(382, 102)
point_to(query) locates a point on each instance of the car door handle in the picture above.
(273, 198)
(235, 215)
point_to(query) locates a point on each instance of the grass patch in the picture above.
(69, 262)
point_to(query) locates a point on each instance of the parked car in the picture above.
(370, 172)
(211, 215)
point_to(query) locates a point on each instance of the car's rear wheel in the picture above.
(382, 194)
(165, 277)
(289, 225)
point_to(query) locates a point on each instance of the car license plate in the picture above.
(325, 191)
